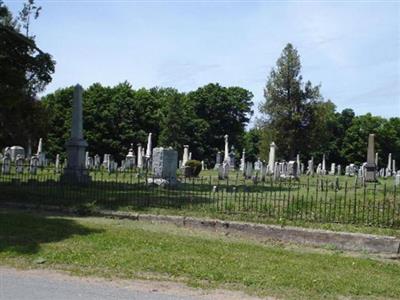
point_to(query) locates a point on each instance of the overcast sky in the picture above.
(351, 48)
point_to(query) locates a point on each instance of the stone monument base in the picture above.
(370, 174)
(75, 176)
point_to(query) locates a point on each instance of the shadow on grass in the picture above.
(23, 233)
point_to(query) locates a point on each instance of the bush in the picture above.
(193, 167)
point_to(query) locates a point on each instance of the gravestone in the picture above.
(243, 161)
(249, 170)
(333, 169)
(97, 161)
(15, 151)
(76, 171)
(33, 165)
(232, 158)
(130, 159)
(165, 161)
(139, 156)
(257, 165)
(217, 160)
(19, 165)
(370, 167)
(185, 156)
(310, 167)
(271, 158)
(292, 169)
(6, 164)
(57, 163)
(226, 150)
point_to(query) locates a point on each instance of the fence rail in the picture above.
(322, 199)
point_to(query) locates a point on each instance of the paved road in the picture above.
(21, 285)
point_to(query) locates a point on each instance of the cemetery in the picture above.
(199, 150)
(366, 194)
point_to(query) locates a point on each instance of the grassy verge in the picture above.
(125, 249)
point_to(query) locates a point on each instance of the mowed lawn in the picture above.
(127, 250)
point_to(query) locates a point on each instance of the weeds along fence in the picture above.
(312, 199)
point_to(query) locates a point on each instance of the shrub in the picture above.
(194, 167)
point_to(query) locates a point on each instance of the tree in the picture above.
(355, 141)
(219, 111)
(25, 70)
(289, 105)
(252, 139)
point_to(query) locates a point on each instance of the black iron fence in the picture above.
(315, 199)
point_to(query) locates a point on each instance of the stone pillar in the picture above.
(370, 167)
(149, 146)
(140, 156)
(271, 160)
(75, 170)
(298, 164)
(243, 160)
(226, 152)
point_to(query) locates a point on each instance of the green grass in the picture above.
(125, 249)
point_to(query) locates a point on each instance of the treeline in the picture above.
(115, 117)
(294, 114)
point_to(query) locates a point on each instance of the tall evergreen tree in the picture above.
(288, 106)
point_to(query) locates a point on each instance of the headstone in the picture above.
(130, 159)
(217, 160)
(339, 170)
(202, 165)
(97, 161)
(333, 169)
(15, 151)
(140, 156)
(57, 163)
(6, 164)
(319, 169)
(190, 155)
(292, 171)
(149, 146)
(243, 161)
(352, 170)
(389, 166)
(276, 171)
(310, 167)
(323, 167)
(232, 158)
(298, 165)
(226, 152)
(376, 159)
(271, 159)
(263, 171)
(76, 170)
(393, 166)
(165, 161)
(19, 165)
(257, 165)
(249, 170)
(33, 165)
(369, 172)
(185, 157)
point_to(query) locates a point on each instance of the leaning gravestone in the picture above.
(164, 166)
